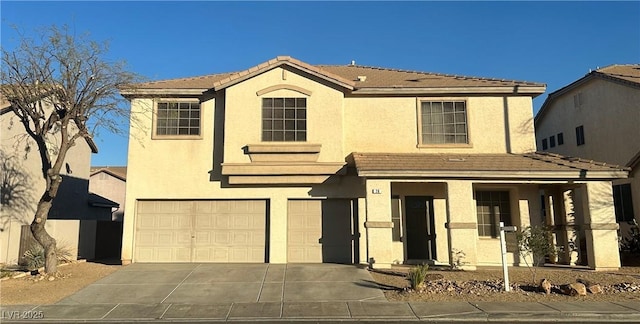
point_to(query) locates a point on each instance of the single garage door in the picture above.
(322, 231)
(200, 231)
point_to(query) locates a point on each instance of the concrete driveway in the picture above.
(145, 283)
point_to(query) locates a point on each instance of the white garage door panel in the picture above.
(201, 231)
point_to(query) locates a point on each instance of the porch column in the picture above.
(278, 209)
(379, 224)
(571, 242)
(462, 224)
(600, 226)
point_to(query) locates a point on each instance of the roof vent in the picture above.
(353, 62)
(456, 159)
(362, 78)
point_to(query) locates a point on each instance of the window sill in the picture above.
(176, 137)
(452, 146)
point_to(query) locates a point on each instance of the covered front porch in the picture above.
(441, 215)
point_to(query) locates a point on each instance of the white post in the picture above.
(503, 249)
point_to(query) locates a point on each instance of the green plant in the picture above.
(35, 257)
(537, 242)
(417, 276)
(631, 243)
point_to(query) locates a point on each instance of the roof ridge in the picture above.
(430, 73)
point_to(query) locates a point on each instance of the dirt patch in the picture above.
(487, 284)
(31, 290)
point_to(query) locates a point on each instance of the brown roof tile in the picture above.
(626, 72)
(376, 77)
(530, 162)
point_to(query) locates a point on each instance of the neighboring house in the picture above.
(597, 117)
(109, 182)
(23, 185)
(289, 162)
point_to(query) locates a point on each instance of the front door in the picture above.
(420, 228)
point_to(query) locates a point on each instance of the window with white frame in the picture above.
(492, 207)
(443, 122)
(284, 119)
(178, 118)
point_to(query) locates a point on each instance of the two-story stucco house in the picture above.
(289, 162)
(597, 117)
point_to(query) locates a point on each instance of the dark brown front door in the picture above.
(421, 234)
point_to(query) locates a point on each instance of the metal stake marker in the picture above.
(503, 249)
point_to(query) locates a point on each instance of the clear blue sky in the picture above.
(550, 42)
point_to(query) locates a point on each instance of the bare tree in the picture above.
(62, 89)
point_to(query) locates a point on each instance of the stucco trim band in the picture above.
(602, 226)
(283, 86)
(461, 225)
(378, 224)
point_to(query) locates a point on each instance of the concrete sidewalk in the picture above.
(375, 311)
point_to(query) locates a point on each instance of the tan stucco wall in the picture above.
(610, 117)
(13, 143)
(390, 125)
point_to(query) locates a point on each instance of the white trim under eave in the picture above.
(515, 90)
(524, 175)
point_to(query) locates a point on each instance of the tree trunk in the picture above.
(38, 225)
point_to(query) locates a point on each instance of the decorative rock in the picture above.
(52, 278)
(574, 289)
(545, 285)
(593, 288)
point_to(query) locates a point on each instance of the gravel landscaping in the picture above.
(487, 284)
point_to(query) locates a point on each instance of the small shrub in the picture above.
(631, 243)
(458, 259)
(35, 256)
(417, 276)
(537, 242)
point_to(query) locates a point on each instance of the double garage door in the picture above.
(200, 231)
(236, 231)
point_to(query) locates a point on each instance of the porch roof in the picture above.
(535, 165)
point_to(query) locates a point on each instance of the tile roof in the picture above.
(625, 72)
(378, 77)
(118, 172)
(348, 75)
(513, 164)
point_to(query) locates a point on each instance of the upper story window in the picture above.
(560, 137)
(552, 141)
(443, 122)
(178, 118)
(545, 144)
(284, 119)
